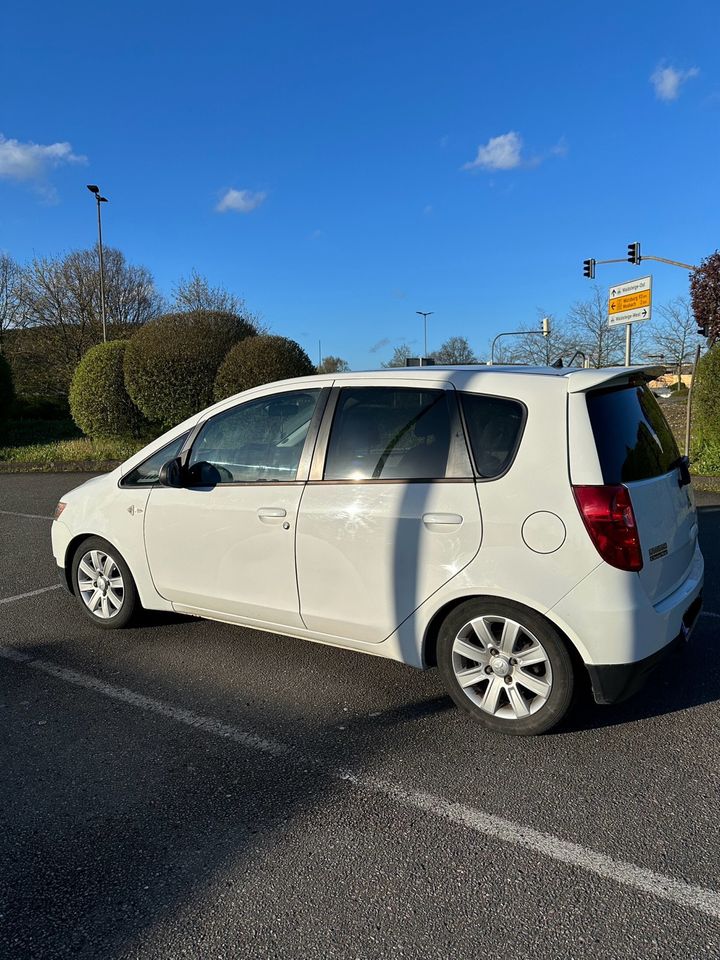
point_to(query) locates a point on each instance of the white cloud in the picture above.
(240, 201)
(499, 153)
(31, 161)
(667, 81)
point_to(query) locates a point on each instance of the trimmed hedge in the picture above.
(99, 402)
(706, 397)
(171, 363)
(259, 360)
(7, 393)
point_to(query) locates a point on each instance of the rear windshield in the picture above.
(633, 439)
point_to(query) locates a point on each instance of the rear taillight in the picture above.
(610, 521)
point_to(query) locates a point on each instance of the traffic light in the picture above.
(702, 330)
(589, 269)
(546, 326)
(634, 253)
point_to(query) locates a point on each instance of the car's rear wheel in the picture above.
(506, 666)
(103, 584)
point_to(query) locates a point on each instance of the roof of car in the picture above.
(577, 378)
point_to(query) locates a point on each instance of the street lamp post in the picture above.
(93, 188)
(425, 315)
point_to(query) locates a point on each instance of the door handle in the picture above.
(271, 513)
(442, 519)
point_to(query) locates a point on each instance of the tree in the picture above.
(259, 360)
(171, 364)
(675, 335)
(400, 354)
(7, 394)
(194, 293)
(333, 365)
(588, 325)
(63, 316)
(454, 350)
(12, 313)
(705, 295)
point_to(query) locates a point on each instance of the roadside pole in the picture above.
(689, 402)
(628, 344)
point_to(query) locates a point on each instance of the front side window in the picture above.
(494, 426)
(261, 440)
(146, 474)
(389, 433)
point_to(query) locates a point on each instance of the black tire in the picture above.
(556, 672)
(130, 604)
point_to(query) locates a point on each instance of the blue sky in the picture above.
(341, 166)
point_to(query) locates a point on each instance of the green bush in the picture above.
(99, 402)
(171, 363)
(259, 360)
(706, 397)
(7, 394)
(706, 457)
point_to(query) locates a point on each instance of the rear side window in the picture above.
(494, 426)
(148, 471)
(389, 433)
(633, 439)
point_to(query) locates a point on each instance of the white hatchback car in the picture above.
(518, 527)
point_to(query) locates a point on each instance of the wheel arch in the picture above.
(432, 631)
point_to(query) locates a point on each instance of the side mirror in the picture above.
(171, 473)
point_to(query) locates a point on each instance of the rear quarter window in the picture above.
(494, 426)
(633, 439)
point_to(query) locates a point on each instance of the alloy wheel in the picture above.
(502, 667)
(101, 585)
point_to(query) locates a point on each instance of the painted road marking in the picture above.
(29, 516)
(658, 885)
(31, 593)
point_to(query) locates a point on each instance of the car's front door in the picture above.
(391, 511)
(224, 542)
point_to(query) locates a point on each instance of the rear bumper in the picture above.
(620, 635)
(614, 682)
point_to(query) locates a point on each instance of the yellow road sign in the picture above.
(630, 301)
(633, 301)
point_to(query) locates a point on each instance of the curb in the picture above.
(59, 466)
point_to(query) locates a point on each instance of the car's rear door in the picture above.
(390, 513)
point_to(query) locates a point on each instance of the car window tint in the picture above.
(259, 440)
(149, 469)
(633, 439)
(494, 426)
(382, 433)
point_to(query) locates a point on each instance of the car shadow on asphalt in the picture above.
(131, 825)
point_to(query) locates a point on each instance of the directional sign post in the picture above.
(628, 303)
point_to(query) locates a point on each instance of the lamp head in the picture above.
(93, 188)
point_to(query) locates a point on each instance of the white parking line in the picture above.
(29, 516)
(659, 885)
(709, 613)
(31, 593)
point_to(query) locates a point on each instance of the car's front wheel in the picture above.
(103, 584)
(505, 665)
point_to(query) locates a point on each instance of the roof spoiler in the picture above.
(580, 381)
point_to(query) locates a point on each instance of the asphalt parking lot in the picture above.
(190, 789)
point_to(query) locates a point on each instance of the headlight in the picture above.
(59, 509)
